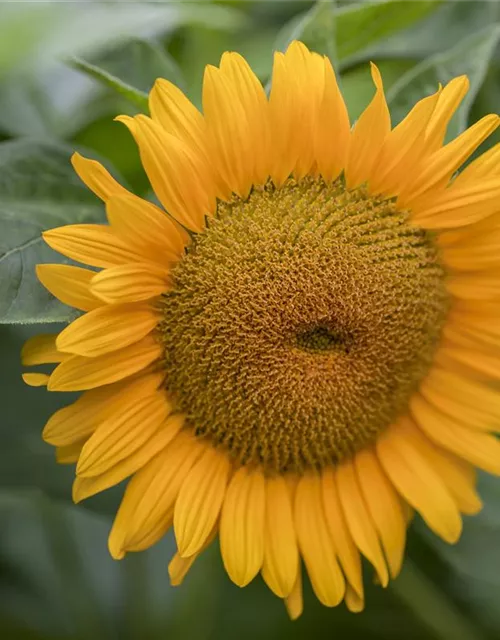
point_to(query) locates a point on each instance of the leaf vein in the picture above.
(20, 248)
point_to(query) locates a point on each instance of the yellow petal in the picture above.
(483, 231)
(480, 363)
(384, 506)
(415, 479)
(84, 487)
(292, 481)
(308, 72)
(130, 282)
(449, 100)
(71, 285)
(254, 125)
(200, 501)
(78, 373)
(178, 176)
(315, 543)
(473, 251)
(486, 166)
(471, 338)
(481, 449)
(146, 511)
(294, 602)
(41, 349)
(80, 419)
(227, 131)
(179, 566)
(332, 131)
(440, 166)
(242, 526)
(480, 259)
(402, 149)
(281, 554)
(464, 400)
(347, 551)
(179, 117)
(296, 93)
(354, 602)
(458, 476)
(475, 286)
(408, 512)
(480, 309)
(123, 433)
(69, 453)
(92, 244)
(480, 330)
(35, 379)
(368, 136)
(108, 329)
(281, 113)
(96, 177)
(458, 205)
(359, 520)
(146, 225)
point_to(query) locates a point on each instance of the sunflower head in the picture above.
(297, 349)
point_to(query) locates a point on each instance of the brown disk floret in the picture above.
(300, 322)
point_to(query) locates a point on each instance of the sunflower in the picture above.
(297, 350)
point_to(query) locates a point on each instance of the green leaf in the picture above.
(33, 35)
(139, 63)
(431, 605)
(26, 461)
(38, 190)
(443, 29)
(41, 97)
(25, 107)
(342, 32)
(474, 579)
(131, 70)
(315, 28)
(360, 25)
(66, 585)
(488, 99)
(55, 104)
(471, 57)
(133, 95)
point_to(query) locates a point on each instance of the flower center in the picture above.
(300, 323)
(322, 338)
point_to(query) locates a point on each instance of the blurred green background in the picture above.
(66, 69)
